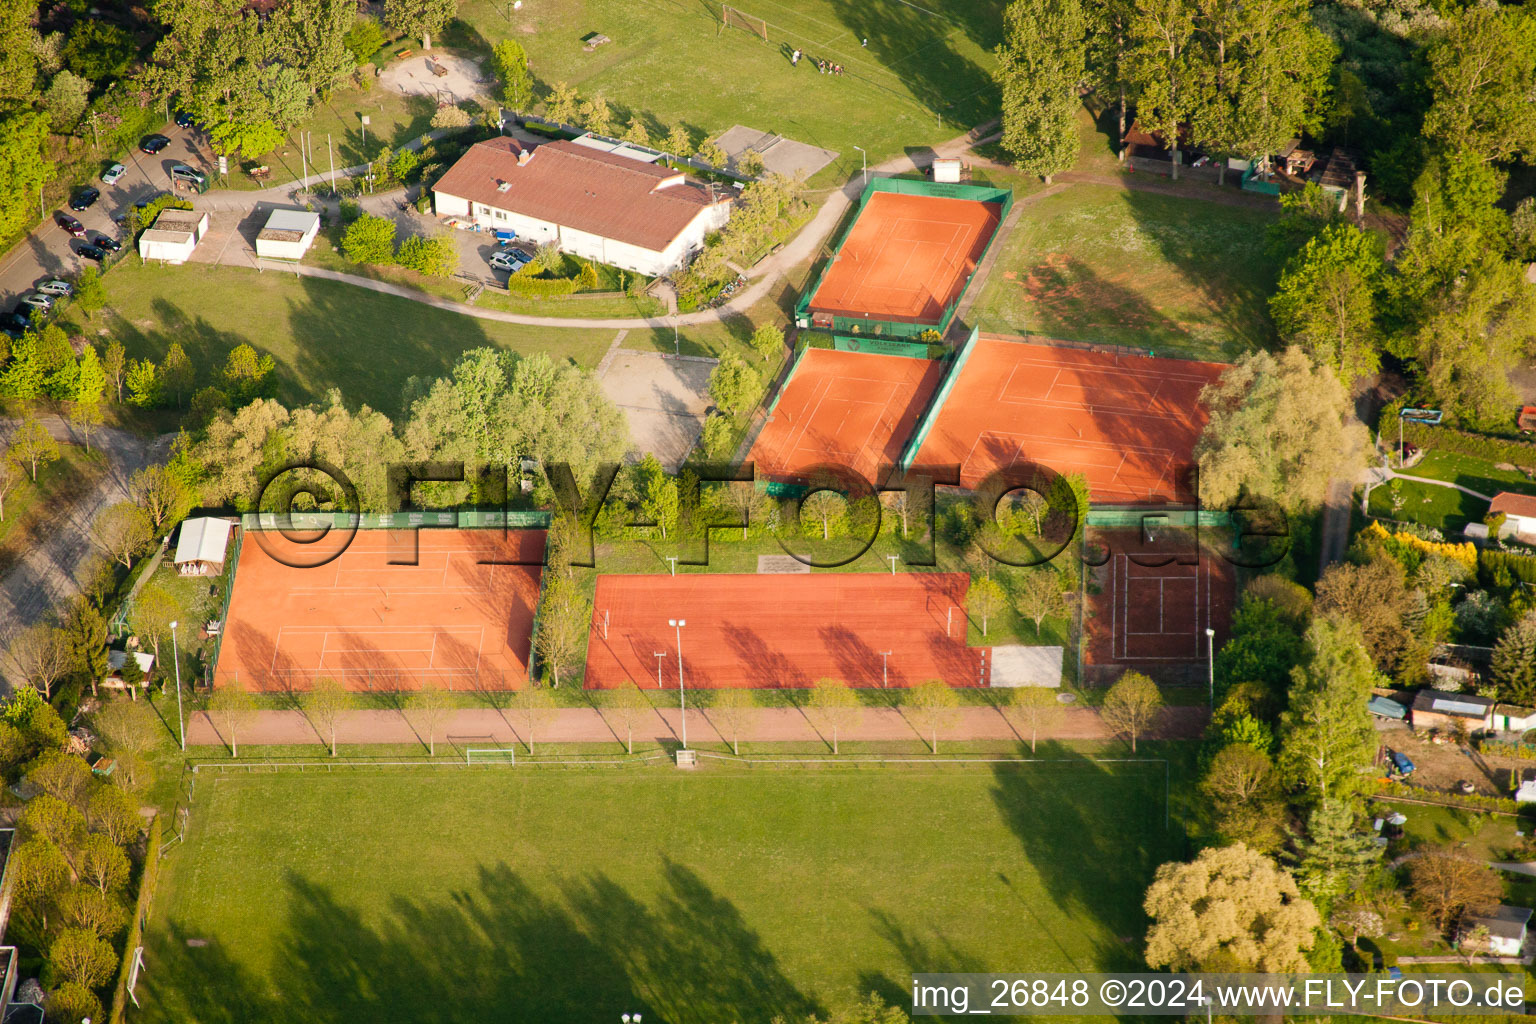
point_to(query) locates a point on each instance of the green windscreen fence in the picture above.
(1133, 518)
(882, 346)
(936, 403)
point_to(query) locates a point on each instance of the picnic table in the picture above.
(402, 54)
(261, 173)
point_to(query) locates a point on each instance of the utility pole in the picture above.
(332, 158)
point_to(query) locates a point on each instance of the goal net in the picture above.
(490, 755)
(734, 18)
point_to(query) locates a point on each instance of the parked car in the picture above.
(19, 318)
(183, 119)
(11, 331)
(1400, 763)
(182, 174)
(106, 242)
(85, 199)
(113, 174)
(509, 261)
(92, 252)
(69, 224)
(56, 286)
(153, 144)
(37, 301)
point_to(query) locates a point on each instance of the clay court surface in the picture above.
(1128, 423)
(849, 408)
(907, 258)
(374, 625)
(780, 631)
(1155, 601)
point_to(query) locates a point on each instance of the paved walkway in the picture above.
(587, 725)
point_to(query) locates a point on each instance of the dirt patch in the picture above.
(462, 79)
(664, 400)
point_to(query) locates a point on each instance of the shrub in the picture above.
(364, 39)
(532, 287)
(437, 256)
(451, 116)
(370, 239)
(350, 211)
(404, 164)
(1463, 442)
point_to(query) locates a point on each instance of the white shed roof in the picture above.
(202, 540)
(117, 659)
(301, 221)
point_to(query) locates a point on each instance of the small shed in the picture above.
(117, 659)
(1439, 709)
(1519, 512)
(201, 547)
(173, 236)
(1386, 707)
(946, 169)
(1513, 718)
(288, 234)
(1506, 927)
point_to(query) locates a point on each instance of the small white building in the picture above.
(115, 662)
(604, 206)
(1519, 513)
(288, 234)
(1506, 928)
(946, 169)
(200, 548)
(173, 236)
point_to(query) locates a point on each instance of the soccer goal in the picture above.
(490, 755)
(735, 18)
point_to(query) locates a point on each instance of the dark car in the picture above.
(183, 119)
(84, 199)
(153, 144)
(21, 321)
(69, 224)
(11, 331)
(107, 242)
(92, 252)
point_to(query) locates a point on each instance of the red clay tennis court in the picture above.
(372, 625)
(1128, 423)
(771, 631)
(1152, 617)
(907, 258)
(853, 409)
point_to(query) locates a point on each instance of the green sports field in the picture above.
(720, 895)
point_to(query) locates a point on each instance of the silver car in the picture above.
(38, 301)
(56, 287)
(114, 174)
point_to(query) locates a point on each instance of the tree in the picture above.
(150, 618)
(562, 629)
(985, 599)
(33, 445)
(370, 239)
(65, 100)
(679, 141)
(144, 385)
(1482, 73)
(41, 655)
(1279, 429)
(325, 703)
(836, 705)
(749, 163)
(103, 863)
(113, 360)
(512, 67)
(1132, 705)
(420, 18)
(1376, 598)
(122, 532)
(162, 494)
(1031, 708)
(659, 499)
(933, 707)
(56, 821)
(1327, 739)
(24, 166)
(72, 1001)
(364, 39)
(636, 131)
(1446, 883)
(427, 708)
(1514, 661)
(1334, 856)
(310, 36)
(1039, 67)
(451, 116)
(231, 707)
(176, 372)
(734, 385)
(595, 115)
(19, 64)
(131, 730)
(731, 709)
(82, 957)
(437, 256)
(1244, 796)
(1159, 69)
(98, 50)
(537, 704)
(246, 375)
(61, 775)
(768, 341)
(564, 104)
(1039, 594)
(712, 153)
(827, 506)
(1326, 301)
(1231, 909)
(110, 812)
(628, 706)
(11, 476)
(91, 380)
(41, 875)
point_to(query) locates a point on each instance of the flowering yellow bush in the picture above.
(1465, 554)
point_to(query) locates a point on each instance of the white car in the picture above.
(509, 260)
(54, 286)
(114, 174)
(37, 301)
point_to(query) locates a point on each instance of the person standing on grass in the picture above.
(794, 58)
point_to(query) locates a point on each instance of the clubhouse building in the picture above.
(594, 200)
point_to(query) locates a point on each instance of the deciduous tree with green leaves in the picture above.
(734, 385)
(33, 446)
(324, 705)
(427, 708)
(1040, 65)
(420, 18)
(1132, 706)
(932, 707)
(627, 707)
(231, 707)
(1327, 741)
(731, 709)
(836, 706)
(1029, 709)
(512, 68)
(1482, 73)
(1327, 301)
(1160, 69)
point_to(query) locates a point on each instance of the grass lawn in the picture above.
(31, 507)
(670, 61)
(1095, 263)
(323, 334)
(1445, 508)
(693, 898)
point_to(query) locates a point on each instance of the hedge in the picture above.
(1462, 442)
(540, 287)
(1521, 567)
(140, 912)
(1474, 801)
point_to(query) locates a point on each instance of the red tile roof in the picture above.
(1523, 505)
(578, 187)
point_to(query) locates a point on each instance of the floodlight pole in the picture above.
(1210, 662)
(892, 560)
(682, 703)
(181, 723)
(863, 166)
(885, 680)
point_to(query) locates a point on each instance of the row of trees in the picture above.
(371, 240)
